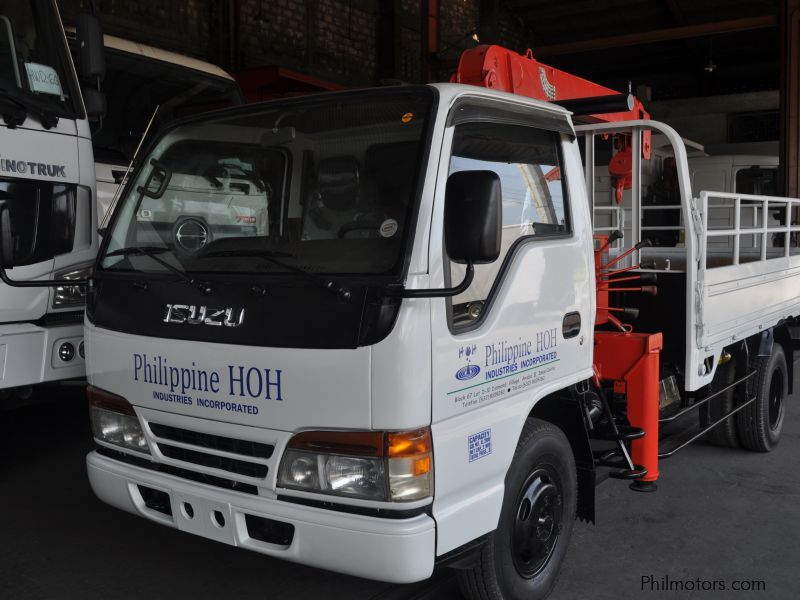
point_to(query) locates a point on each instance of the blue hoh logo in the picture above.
(467, 372)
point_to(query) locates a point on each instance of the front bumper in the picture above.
(392, 550)
(29, 354)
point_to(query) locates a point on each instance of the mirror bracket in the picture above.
(43, 283)
(5, 230)
(436, 292)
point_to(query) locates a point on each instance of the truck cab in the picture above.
(47, 195)
(739, 173)
(234, 362)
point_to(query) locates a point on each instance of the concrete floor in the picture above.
(719, 514)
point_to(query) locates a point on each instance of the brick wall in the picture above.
(331, 39)
(179, 26)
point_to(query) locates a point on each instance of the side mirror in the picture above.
(9, 261)
(90, 47)
(473, 217)
(95, 103)
(6, 239)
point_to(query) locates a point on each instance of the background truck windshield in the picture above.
(34, 69)
(324, 185)
(135, 86)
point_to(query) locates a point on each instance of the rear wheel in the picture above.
(522, 557)
(759, 425)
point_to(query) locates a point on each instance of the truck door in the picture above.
(523, 328)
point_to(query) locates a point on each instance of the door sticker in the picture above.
(479, 445)
(507, 367)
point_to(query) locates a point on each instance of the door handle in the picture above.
(571, 326)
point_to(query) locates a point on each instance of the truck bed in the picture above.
(753, 283)
(728, 266)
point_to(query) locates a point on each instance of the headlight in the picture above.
(66, 296)
(332, 474)
(114, 422)
(368, 465)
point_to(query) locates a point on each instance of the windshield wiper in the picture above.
(153, 252)
(274, 257)
(23, 106)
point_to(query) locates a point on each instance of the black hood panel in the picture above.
(285, 313)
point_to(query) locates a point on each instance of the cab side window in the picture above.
(527, 161)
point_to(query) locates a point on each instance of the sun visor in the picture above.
(476, 110)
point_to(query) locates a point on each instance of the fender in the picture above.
(564, 410)
(469, 495)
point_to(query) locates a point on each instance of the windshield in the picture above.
(134, 86)
(323, 185)
(33, 57)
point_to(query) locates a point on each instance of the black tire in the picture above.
(723, 434)
(515, 564)
(759, 425)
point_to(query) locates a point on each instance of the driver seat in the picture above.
(334, 200)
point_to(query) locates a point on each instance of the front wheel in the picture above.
(522, 557)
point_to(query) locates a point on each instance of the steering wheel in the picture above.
(358, 226)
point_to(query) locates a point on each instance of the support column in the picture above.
(789, 23)
(388, 42)
(488, 21)
(312, 31)
(429, 39)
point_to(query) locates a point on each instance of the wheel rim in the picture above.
(537, 522)
(775, 399)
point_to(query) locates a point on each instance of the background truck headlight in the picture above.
(66, 296)
(369, 465)
(114, 421)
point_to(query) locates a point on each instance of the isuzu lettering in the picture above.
(372, 331)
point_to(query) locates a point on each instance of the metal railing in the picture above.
(760, 229)
(617, 217)
(631, 214)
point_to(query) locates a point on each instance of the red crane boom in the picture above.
(498, 68)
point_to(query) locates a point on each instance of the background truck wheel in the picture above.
(723, 434)
(522, 557)
(759, 425)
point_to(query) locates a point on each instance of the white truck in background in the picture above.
(752, 174)
(138, 79)
(47, 191)
(739, 173)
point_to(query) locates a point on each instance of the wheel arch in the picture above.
(563, 409)
(783, 336)
(761, 344)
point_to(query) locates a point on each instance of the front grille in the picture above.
(220, 482)
(242, 459)
(60, 318)
(223, 463)
(212, 442)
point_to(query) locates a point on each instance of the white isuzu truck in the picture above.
(406, 354)
(47, 185)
